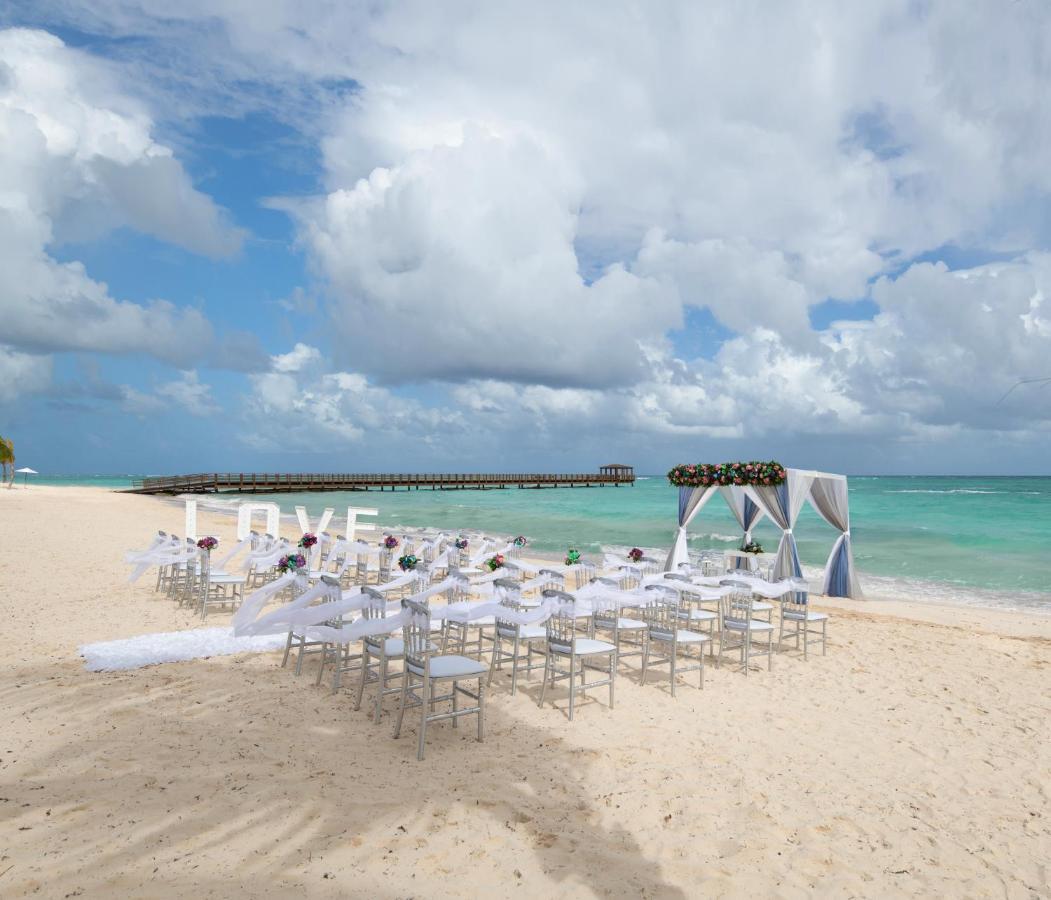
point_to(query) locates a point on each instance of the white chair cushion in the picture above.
(392, 647)
(681, 635)
(740, 625)
(702, 615)
(808, 616)
(587, 647)
(525, 632)
(690, 637)
(630, 624)
(223, 578)
(451, 666)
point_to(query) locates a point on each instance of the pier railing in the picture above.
(278, 482)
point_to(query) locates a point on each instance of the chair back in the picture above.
(607, 618)
(555, 580)
(511, 600)
(661, 612)
(561, 626)
(416, 633)
(736, 607)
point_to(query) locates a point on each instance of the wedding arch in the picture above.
(756, 489)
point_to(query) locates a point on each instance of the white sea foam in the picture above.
(948, 491)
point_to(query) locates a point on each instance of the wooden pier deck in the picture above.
(274, 483)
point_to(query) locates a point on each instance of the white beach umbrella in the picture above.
(25, 472)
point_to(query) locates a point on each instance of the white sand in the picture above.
(914, 759)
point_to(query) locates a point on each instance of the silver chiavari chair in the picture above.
(582, 653)
(378, 651)
(425, 670)
(738, 629)
(665, 633)
(618, 626)
(516, 634)
(797, 615)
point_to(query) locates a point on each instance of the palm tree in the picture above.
(7, 461)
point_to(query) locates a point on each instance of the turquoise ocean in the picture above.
(975, 540)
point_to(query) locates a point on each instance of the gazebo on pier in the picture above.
(619, 472)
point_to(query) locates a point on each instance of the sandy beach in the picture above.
(913, 760)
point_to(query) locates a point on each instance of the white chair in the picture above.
(738, 630)
(765, 609)
(517, 634)
(621, 629)
(377, 652)
(426, 669)
(582, 653)
(664, 620)
(797, 615)
(304, 645)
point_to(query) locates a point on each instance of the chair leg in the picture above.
(672, 665)
(701, 654)
(494, 660)
(456, 706)
(645, 657)
(321, 668)
(299, 656)
(366, 664)
(543, 687)
(401, 706)
(424, 705)
(288, 648)
(378, 712)
(481, 711)
(572, 682)
(514, 666)
(612, 675)
(806, 640)
(824, 636)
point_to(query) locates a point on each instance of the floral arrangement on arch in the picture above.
(572, 557)
(752, 547)
(496, 562)
(407, 563)
(208, 544)
(461, 543)
(391, 542)
(520, 541)
(739, 473)
(635, 554)
(308, 540)
(292, 562)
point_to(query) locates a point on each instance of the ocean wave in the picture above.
(949, 491)
(715, 536)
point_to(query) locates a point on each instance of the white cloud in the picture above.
(76, 159)
(185, 394)
(521, 203)
(22, 373)
(301, 405)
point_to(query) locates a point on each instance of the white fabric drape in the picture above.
(691, 502)
(745, 509)
(782, 503)
(830, 498)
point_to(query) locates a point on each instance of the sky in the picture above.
(265, 235)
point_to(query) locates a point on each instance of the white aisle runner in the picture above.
(173, 646)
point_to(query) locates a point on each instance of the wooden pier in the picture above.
(283, 483)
